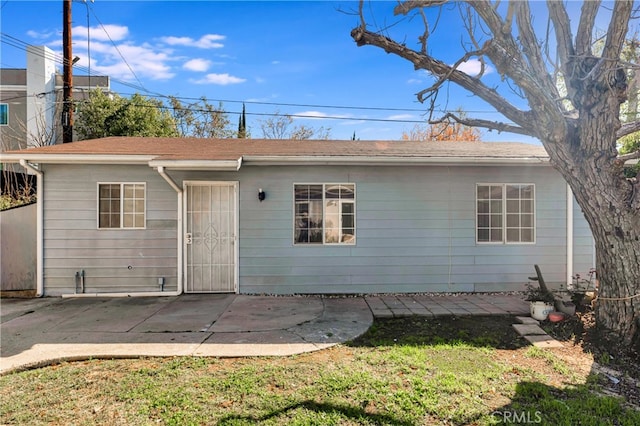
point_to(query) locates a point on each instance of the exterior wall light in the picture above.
(261, 195)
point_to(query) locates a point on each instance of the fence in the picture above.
(18, 249)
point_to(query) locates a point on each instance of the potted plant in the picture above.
(541, 302)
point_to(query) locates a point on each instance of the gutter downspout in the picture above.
(39, 226)
(569, 236)
(180, 235)
(179, 289)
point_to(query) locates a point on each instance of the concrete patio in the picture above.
(37, 332)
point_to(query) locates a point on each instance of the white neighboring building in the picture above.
(31, 100)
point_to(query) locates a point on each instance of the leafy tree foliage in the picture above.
(105, 115)
(201, 119)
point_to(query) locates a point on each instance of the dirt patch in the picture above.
(618, 366)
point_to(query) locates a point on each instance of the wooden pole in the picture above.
(67, 94)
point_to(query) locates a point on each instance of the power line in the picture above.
(116, 47)
(23, 46)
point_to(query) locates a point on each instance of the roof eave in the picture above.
(199, 165)
(75, 158)
(277, 160)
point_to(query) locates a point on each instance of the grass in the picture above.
(464, 376)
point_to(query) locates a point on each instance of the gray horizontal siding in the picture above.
(415, 232)
(118, 260)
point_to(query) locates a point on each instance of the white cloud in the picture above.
(312, 115)
(40, 35)
(219, 79)
(103, 33)
(404, 117)
(207, 41)
(144, 60)
(414, 81)
(197, 64)
(472, 67)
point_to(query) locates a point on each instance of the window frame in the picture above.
(5, 106)
(324, 208)
(122, 206)
(504, 213)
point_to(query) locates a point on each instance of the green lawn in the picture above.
(414, 378)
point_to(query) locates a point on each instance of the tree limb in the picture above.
(627, 129)
(617, 30)
(476, 122)
(562, 29)
(630, 156)
(438, 68)
(585, 27)
(530, 45)
(506, 55)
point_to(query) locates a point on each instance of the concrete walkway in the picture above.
(37, 332)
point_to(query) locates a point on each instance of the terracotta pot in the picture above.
(556, 316)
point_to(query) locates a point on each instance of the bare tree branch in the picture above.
(630, 156)
(439, 68)
(562, 29)
(617, 30)
(627, 129)
(530, 45)
(476, 122)
(585, 27)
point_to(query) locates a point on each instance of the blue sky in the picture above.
(291, 57)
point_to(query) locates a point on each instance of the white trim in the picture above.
(155, 160)
(357, 160)
(195, 165)
(39, 226)
(121, 227)
(236, 229)
(75, 158)
(569, 235)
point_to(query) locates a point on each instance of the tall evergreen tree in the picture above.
(242, 124)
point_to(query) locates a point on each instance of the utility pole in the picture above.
(67, 94)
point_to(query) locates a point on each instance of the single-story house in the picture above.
(161, 216)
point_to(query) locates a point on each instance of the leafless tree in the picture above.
(280, 126)
(578, 125)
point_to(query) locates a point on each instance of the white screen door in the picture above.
(210, 237)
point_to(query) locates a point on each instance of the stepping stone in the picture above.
(529, 330)
(545, 341)
(527, 320)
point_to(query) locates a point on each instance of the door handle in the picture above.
(188, 238)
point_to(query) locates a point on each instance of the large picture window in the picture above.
(324, 214)
(121, 205)
(505, 213)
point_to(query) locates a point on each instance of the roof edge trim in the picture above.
(76, 158)
(392, 160)
(219, 165)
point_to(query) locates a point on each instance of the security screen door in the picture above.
(210, 237)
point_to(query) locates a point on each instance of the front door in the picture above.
(210, 237)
